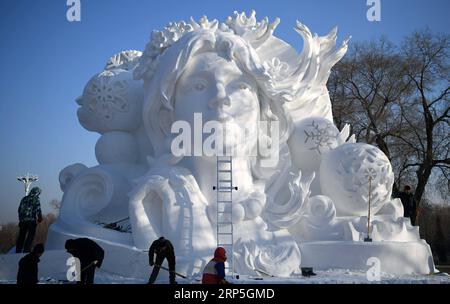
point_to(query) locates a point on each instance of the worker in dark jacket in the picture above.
(409, 207)
(29, 216)
(90, 255)
(164, 250)
(28, 266)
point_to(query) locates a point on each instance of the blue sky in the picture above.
(47, 60)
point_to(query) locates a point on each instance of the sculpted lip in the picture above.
(224, 118)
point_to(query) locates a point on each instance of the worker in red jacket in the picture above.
(214, 272)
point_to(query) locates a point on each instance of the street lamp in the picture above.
(27, 180)
(370, 175)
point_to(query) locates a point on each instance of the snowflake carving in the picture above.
(321, 136)
(105, 95)
(276, 68)
(370, 173)
(360, 165)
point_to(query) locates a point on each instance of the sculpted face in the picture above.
(218, 89)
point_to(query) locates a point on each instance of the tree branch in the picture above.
(442, 117)
(446, 91)
(441, 161)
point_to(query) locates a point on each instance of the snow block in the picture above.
(126, 260)
(395, 257)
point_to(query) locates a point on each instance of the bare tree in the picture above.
(398, 99)
(367, 88)
(427, 113)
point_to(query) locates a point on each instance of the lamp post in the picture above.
(370, 175)
(27, 180)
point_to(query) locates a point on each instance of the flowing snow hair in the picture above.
(160, 96)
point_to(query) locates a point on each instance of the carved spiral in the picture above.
(87, 195)
(321, 210)
(67, 175)
(279, 260)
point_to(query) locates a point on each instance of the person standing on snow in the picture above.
(214, 271)
(29, 216)
(164, 250)
(407, 198)
(90, 255)
(28, 266)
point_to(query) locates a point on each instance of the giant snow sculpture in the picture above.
(308, 208)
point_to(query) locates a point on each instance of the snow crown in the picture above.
(256, 33)
(289, 81)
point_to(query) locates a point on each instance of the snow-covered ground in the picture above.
(333, 276)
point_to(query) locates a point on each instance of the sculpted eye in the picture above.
(244, 86)
(199, 86)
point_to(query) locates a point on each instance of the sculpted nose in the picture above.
(219, 99)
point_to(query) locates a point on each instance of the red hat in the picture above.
(219, 254)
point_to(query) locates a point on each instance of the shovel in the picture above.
(167, 269)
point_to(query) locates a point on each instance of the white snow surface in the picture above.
(332, 276)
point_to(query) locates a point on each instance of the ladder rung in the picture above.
(225, 187)
(227, 158)
(225, 229)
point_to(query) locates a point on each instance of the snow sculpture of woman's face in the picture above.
(218, 89)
